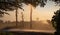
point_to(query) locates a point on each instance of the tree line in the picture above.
(10, 5)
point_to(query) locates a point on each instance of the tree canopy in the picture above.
(56, 18)
(35, 2)
(10, 5)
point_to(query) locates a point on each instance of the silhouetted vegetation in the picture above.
(10, 5)
(56, 21)
(56, 18)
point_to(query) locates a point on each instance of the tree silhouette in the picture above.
(35, 3)
(10, 5)
(56, 20)
(22, 17)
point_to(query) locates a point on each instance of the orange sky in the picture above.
(39, 12)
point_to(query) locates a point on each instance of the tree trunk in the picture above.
(16, 17)
(22, 19)
(30, 16)
(16, 13)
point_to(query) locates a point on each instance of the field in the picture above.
(25, 25)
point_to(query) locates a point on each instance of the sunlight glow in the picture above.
(44, 13)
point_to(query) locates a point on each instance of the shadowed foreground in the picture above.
(37, 27)
(25, 33)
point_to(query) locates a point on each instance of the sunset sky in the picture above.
(43, 13)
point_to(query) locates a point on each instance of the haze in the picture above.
(43, 13)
